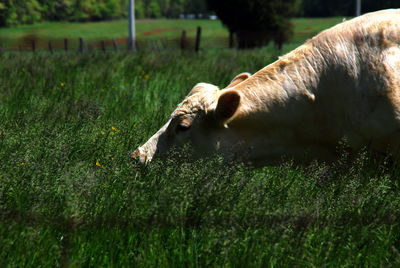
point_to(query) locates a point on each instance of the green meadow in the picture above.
(71, 197)
(214, 34)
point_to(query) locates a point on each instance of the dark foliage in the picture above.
(257, 22)
(15, 12)
(317, 8)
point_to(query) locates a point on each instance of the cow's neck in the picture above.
(282, 102)
(295, 75)
(286, 91)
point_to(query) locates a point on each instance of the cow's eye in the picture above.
(182, 127)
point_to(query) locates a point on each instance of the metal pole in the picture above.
(132, 37)
(358, 8)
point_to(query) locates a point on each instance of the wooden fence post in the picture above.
(50, 47)
(230, 39)
(183, 39)
(90, 47)
(115, 45)
(136, 45)
(81, 45)
(66, 44)
(198, 36)
(33, 45)
(163, 43)
(103, 46)
(154, 45)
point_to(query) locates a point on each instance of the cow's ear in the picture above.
(227, 105)
(238, 79)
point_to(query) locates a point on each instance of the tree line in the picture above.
(330, 8)
(15, 12)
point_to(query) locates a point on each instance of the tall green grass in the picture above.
(70, 196)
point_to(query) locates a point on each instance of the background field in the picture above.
(70, 196)
(214, 34)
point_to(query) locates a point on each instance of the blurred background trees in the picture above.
(14, 12)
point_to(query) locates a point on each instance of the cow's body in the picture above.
(345, 82)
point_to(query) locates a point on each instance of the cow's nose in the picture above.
(138, 156)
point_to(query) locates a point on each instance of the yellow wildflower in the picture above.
(112, 158)
(113, 128)
(98, 164)
(62, 84)
(72, 117)
(147, 76)
(22, 163)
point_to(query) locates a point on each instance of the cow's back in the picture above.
(366, 51)
(344, 82)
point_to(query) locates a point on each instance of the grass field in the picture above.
(213, 32)
(70, 196)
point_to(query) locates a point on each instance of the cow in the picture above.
(343, 84)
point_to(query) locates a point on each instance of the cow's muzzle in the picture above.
(137, 155)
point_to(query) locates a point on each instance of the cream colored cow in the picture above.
(344, 82)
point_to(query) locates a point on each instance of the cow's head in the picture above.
(201, 120)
